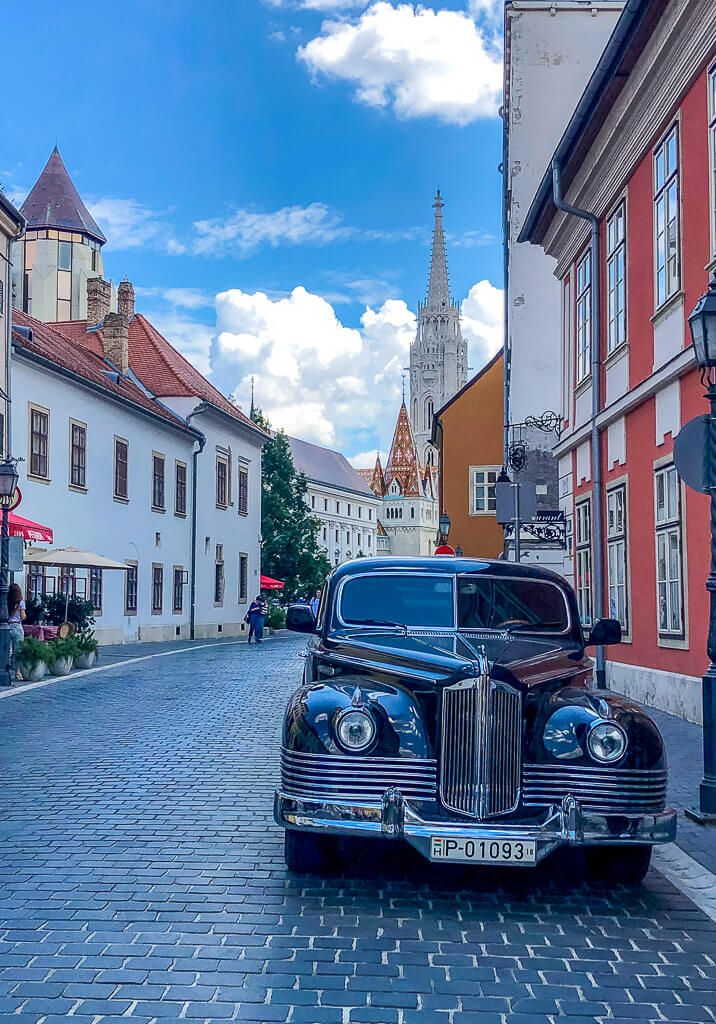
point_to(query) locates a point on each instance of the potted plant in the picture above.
(86, 644)
(62, 656)
(31, 659)
(276, 618)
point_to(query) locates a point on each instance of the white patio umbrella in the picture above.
(75, 558)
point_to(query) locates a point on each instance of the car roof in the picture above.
(447, 565)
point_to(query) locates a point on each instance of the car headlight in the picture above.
(606, 741)
(355, 729)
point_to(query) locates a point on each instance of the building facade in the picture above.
(550, 51)
(438, 355)
(467, 433)
(340, 499)
(640, 154)
(12, 224)
(60, 250)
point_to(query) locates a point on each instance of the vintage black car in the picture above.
(449, 702)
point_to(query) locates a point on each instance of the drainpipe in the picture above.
(194, 470)
(597, 513)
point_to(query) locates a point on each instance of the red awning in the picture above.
(270, 584)
(28, 530)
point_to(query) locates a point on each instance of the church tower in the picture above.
(438, 355)
(60, 250)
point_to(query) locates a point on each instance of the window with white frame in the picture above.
(712, 151)
(482, 490)
(616, 278)
(583, 543)
(666, 218)
(617, 555)
(669, 555)
(584, 317)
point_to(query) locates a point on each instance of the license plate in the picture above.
(483, 851)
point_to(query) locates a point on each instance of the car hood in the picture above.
(447, 657)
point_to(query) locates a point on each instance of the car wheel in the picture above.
(307, 853)
(620, 865)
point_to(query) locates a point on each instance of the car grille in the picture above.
(603, 790)
(480, 747)
(334, 777)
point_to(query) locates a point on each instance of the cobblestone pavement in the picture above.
(142, 878)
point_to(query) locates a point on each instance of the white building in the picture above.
(551, 49)
(347, 509)
(11, 225)
(169, 484)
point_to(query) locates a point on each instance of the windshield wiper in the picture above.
(378, 622)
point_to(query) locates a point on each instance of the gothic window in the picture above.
(429, 406)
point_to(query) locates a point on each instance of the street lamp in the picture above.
(8, 488)
(702, 324)
(444, 525)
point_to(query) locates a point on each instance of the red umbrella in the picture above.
(25, 528)
(267, 583)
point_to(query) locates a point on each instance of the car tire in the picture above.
(619, 865)
(306, 853)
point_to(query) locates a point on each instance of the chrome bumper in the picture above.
(395, 818)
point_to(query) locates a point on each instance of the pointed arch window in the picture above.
(429, 408)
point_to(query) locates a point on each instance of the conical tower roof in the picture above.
(377, 481)
(54, 202)
(438, 284)
(403, 462)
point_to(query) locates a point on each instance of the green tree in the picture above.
(290, 550)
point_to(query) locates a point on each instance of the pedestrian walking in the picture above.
(256, 616)
(15, 618)
(315, 602)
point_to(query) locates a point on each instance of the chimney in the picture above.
(99, 294)
(125, 299)
(115, 340)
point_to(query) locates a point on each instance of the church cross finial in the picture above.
(403, 388)
(252, 398)
(438, 285)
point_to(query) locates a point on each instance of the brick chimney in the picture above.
(115, 340)
(99, 294)
(125, 298)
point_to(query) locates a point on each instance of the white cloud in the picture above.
(366, 460)
(246, 230)
(128, 224)
(193, 339)
(483, 322)
(184, 298)
(417, 61)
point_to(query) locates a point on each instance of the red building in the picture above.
(640, 155)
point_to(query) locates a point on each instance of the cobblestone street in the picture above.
(142, 877)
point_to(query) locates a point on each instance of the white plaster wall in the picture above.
(676, 694)
(362, 528)
(554, 49)
(616, 443)
(94, 520)
(668, 411)
(669, 328)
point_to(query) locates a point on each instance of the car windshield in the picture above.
(491, 602)
(407, 600)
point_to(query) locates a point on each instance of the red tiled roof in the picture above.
(57, 348)
(155, 361)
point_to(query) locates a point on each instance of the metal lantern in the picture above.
(8, 483)
(702, 324)
(444, 525)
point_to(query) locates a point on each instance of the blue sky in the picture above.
(264, 171)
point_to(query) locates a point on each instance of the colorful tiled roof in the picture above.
(54, 347)
(155, 361)
(403, 462)
(54, 202)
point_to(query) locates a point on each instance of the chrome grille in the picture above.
(480, 747)
(335, 777)
(603, 790)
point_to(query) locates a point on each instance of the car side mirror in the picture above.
(604, 632)
(300, 619)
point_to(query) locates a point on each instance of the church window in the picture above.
(429, 411)
(64, 255)
(412, 511)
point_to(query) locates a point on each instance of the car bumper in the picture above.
(395, 818)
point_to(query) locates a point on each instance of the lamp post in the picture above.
(444, 525)
(8, 487)
(702, 324)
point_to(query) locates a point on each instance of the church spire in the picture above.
(438, 286)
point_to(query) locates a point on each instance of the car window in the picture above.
(407, 600)
(490, 602)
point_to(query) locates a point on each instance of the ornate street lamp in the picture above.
(8, 489)
(444, 526)
(702, 324)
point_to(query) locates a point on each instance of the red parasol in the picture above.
(267, 583)
(25, 528)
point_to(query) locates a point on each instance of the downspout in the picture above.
(194, 468)
(597, 513)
